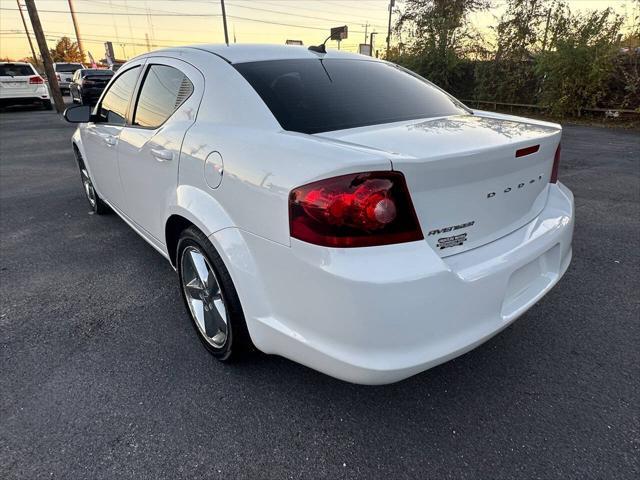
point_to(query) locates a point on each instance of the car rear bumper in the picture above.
(14, 96)
(91, 93)
(381, 314)
(6, 101)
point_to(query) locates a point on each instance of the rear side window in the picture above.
(164, 89)
(113, 108)
(316, 95)
(10, 70)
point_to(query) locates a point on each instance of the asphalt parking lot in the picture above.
(102, 376)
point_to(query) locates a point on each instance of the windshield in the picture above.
(312, 96)
(67, 67)
(12, 70)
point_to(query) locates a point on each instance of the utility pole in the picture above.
(366, 29)
(146, 37)
(224, 22)
(46, 57)
(391, 4)
(76, 28)
(371, 42)
(26, 30)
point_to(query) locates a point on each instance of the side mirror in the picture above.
(78, 114)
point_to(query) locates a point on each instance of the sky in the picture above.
(181, 22)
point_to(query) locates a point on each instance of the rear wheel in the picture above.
(97, 205)
(210, 297)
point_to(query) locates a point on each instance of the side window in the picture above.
(164, 89)
(113, 108)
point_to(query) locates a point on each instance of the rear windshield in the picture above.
(93, 73)
(67, 67)
(312, 96)
(10, 70)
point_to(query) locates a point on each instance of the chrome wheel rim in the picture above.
(88, 187)
(204, 296)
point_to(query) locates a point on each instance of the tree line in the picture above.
(540, 52)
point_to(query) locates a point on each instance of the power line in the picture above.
(123, 14)
(290, 14)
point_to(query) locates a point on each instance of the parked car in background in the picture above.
(64, 73)
(332, 208)
(20, 84)
(87, 85)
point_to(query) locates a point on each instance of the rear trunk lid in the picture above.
(96, 80)
(472, 178)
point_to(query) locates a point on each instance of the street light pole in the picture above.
(76, 28)
(224, 22)
(371, 42)
(46, 56)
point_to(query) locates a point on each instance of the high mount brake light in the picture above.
(355, 210)
(556, 165)
(36, 80)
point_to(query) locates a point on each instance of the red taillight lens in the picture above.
(356, 210)
(556, 165)
(36, 80)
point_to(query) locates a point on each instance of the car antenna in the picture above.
(320, 48)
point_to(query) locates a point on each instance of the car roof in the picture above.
(15, 63)
(243, 53)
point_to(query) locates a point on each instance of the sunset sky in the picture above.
(182, 22)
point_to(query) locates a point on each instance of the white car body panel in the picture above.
(365, 315)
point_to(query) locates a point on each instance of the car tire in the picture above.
(46, 104)
(213, 304)
(98, 206)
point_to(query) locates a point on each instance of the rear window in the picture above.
(10, 70)
(95, 73)
(312, 96)
(67, 67)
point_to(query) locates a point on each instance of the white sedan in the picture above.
(331, 208)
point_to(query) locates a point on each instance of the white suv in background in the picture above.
(20, 84)
(64, 72)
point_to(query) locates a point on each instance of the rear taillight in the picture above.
(556, 165)
(355, 210)
(36, 80)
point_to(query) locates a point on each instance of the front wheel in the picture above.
(211, 298)
(97, 205)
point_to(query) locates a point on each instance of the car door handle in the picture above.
(162, 155)
(110, 140)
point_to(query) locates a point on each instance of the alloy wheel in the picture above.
(204, 296)
(88, 187)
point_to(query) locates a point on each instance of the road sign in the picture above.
(364, 49)
(339, 33)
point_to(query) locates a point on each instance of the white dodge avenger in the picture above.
(331, 208)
